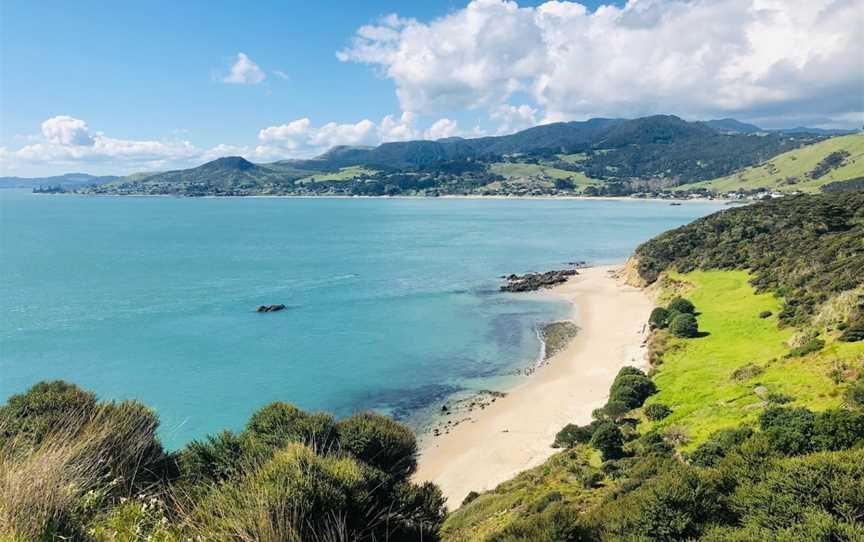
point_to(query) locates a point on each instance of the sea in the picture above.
(391, 304)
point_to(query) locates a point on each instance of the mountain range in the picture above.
(599, 156)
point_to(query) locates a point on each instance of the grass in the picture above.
(796, 164)
(344, 174)
(573, 158)
(695, 377)
(513, 172)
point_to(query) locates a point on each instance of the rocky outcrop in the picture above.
(271, 308)
(530, 282)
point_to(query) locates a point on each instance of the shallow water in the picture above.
(392, 304)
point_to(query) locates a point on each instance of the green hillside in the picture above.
(806, 169)
(739, 435)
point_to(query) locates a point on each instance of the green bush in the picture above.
(789, 430)
(45, 407)
(813, 345)
(684, 325)
(855, 393)
(854, 332)
(718, 446)
(657, 411)
(608, 440)
(681, 305)
(571, 435)
(471, 496)
(659, 318)
(380, 442)
(615, 409)
(837, 430)
(279, 423)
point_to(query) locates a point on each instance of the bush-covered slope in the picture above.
(805, 248)
(806, 169)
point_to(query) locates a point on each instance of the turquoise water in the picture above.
(392, 304)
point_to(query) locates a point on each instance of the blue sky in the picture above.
(117, 87)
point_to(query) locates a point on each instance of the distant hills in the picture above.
(69, 180)
(595, 157)
(825, 165)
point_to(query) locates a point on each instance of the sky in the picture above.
(120, 87)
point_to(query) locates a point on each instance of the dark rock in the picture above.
(271, 308)
(530, 282)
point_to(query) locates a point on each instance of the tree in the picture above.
(571, 435)
(659, 318)
(684, 325)
(608, 440)
(680, 304)
(789, 430)
(837, 430)
(657, 411)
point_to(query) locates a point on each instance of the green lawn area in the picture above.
(797, 163)
(344, 174)
(514, 171)
(695, 377)
(573, 158)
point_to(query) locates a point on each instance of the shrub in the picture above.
(779, 398)
(280, 423)
(682, 305)
(380, 442)
(855, 393)
(659, 318)
(718, 446)
(627, 370)
(608, 440)
(571, 435)
(813, 345)
(591, 478)
(746, 372)
(45, 407)
(853, 333)
(657, 411)
(616, 409)
(684, 325)
(676, 505)
(216, 458)
(631, 388)
(837, 430)
(470, 497)
(765, 314)
(789, 430)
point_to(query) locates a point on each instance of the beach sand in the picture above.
(515, 432)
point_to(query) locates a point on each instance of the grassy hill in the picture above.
(806, 169)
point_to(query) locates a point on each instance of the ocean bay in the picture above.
(391, 304)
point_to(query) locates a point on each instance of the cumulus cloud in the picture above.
(244, 72)
(65, 130)
(300, 138)
(698, 58)
(442, 128)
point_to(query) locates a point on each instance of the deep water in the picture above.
(391, 304)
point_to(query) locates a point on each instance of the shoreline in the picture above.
(515, 432)
(443, 197)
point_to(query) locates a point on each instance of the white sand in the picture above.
(515, 433)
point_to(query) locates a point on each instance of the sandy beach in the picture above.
(515, 432)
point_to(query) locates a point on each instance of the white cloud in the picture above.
(65, 130)
(442, 128)
(280, 74)
(244, 72)
(751, 58)
(514, 118)
(402, 129)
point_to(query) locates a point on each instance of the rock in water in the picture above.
(530, 282)
(271, 308)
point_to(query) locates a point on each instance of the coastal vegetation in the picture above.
(751, 429)
(75, 468)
